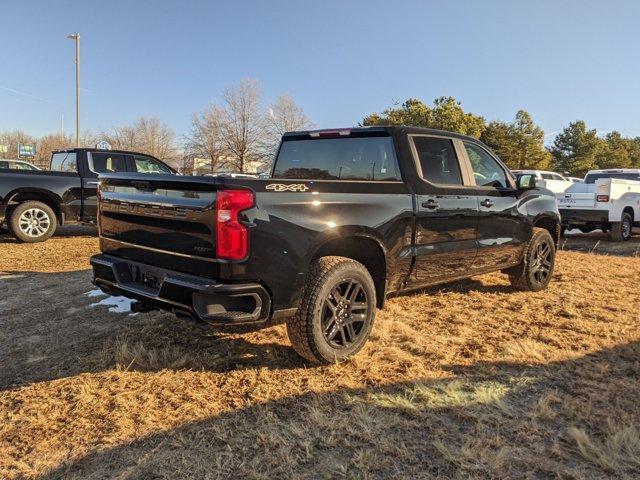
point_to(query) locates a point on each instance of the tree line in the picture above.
(520, 143)
(240, 133)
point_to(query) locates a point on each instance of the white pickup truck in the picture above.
(608, 199)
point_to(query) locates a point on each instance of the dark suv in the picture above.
(347, 217)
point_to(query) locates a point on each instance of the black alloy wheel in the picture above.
(344, 313)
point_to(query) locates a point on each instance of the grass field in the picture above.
(470, 380)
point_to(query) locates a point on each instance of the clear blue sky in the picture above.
(340, 60)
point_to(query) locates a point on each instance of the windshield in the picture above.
(355, 158)
(592, 177)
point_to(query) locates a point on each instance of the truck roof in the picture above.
(89, 149)
(615, 170)
(348, 131)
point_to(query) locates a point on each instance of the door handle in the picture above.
(487, 203)
(431, 204)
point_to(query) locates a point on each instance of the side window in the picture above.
(149, 165)
(104, 162)
(548, 176)
(487, 172)
(64, 162)
(558, 177)
(438, 160)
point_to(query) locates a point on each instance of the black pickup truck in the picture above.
(34, 202)
(347, 218)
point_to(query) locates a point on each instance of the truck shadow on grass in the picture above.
(51, 330)
(568, 419)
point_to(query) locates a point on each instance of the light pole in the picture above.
(76, 37)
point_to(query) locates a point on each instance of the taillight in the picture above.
(232, 237)
(602, 198)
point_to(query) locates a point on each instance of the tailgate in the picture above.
(576, 200)
(578, 195)
(162, 220)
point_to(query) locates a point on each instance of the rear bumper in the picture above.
(583, 217)
(197, 297)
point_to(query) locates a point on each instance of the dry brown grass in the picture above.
(469, 380)
(67, 251)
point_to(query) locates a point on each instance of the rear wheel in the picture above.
(32, 222)
(621, 231)
(539, 260)
(336, 313)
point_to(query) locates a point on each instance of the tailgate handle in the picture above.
(144, 186)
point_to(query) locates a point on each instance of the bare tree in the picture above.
(283, 116)
(243, 125)
(49, 143)
(206, 138)
(147, 135)
(11, 139)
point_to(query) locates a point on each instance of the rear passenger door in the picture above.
(502, 228)
(446, 211)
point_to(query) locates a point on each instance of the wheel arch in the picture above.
(362, 247)
(38, 195)
(551, 224)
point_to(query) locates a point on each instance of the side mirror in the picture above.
(527, 182)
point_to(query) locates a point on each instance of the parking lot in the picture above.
(471, 379)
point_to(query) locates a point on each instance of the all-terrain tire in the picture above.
(310, 329)
(539, 260)
(621, 231)
(32, 222)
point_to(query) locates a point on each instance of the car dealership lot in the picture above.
(471, 379)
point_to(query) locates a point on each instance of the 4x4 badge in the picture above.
(283, 187)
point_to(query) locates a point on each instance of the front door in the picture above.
(446, 212)
(503, 229)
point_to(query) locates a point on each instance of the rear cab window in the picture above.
(64, 162)
(367, 158)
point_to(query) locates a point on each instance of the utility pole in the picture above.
(76, 37)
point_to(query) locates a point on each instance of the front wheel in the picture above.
(539, 260)
(336, 313)
(32, 222)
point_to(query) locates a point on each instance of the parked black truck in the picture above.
(34, 202)
(347, 218)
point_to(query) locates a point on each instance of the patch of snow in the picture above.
(95, 293)
(115, 304)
